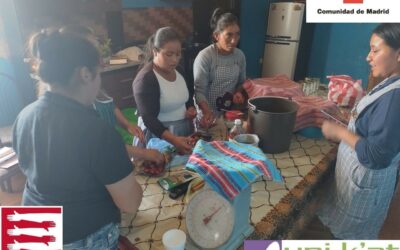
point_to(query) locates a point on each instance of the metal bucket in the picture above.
(273, 120)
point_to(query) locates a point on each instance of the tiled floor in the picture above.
(390, 230)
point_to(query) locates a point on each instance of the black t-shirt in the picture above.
(68, 155)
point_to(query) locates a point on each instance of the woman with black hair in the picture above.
(70, 156)
(219, 68)
(369, 152)
(163, 98)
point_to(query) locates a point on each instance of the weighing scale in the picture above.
(213, 222)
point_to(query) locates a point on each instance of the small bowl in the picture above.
(174, 239)
(250, 139)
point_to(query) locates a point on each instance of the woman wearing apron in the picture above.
(369, 152)
(219, 68)
(163, 99)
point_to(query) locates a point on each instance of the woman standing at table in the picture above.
(219, 68)
(70, 156)
(369, 151)
(163, 99)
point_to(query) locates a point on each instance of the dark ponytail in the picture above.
(221, 19)
(148, 52)
(57, 55)
(158, 40)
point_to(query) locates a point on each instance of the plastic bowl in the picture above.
(251, 139)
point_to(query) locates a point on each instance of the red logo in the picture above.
(31, 228)
(353, 1)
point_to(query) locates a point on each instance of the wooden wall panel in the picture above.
(140, 24)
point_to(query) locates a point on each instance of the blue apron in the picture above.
(359, 199)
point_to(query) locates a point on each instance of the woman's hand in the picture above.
(207, 120)
(145, 154)
(135, 131)
(191, 113)
(337, 133)
(182, 144)
(333, 131)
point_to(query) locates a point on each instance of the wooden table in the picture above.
(277, 210)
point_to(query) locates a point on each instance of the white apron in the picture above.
(359, 199)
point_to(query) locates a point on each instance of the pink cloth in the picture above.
(309, 114)
(272, 86)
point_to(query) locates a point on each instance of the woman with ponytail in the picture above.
(219, 68)
(70, 156)
(163, 98)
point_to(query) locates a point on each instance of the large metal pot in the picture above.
(273, 120)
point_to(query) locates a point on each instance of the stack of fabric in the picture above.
(272, 86)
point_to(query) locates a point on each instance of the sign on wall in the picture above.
(352, 11)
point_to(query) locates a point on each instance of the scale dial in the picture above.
(209, 219)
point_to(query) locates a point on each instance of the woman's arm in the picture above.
(126, 193)
(146, 91)
(121, 119)
(202, 78)
(145, 154)
(112, 167)
(181, 143)
(378, 142)
(337, 133)
(131, 128)
(242, 73)
(381, 142)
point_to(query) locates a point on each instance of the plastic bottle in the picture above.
(237, 129)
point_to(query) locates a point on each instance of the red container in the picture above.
(231, 115)
(353, 1)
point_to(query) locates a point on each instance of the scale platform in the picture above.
(241, 229)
